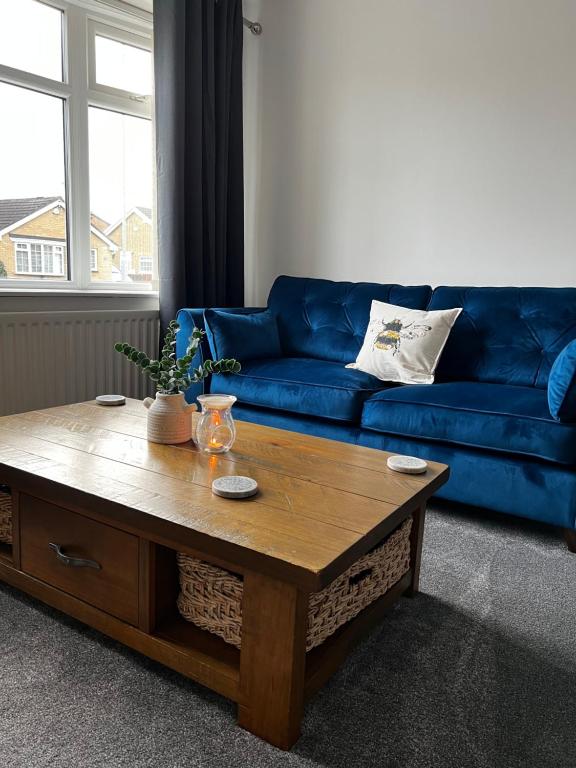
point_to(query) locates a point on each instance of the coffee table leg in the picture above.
(272, 659)
(416, 539)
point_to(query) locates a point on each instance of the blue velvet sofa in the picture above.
(487, 415)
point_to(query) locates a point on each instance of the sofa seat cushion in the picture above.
(301, 385)
(499, 417)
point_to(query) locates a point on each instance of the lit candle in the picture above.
(216, 422)
(215, 429)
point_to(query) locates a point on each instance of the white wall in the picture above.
(255, 291)
(411, 141)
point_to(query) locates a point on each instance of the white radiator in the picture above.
(55, 358)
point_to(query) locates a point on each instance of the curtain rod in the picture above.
(254, 26)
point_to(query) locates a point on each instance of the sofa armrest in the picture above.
(188, 320)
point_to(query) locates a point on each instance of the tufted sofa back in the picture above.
(505, 335)
(327, 320)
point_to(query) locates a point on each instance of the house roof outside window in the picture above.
(146, 211)
(14, 210)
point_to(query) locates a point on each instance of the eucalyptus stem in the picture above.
(170, 374)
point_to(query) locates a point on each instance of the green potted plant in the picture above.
(169, 419)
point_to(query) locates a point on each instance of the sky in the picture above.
(32, 125)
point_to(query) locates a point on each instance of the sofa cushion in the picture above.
(327, 320)
(244, 337)
(301, 385)
(505, 335)
(497, 417)
(404, 345)
(562, 385)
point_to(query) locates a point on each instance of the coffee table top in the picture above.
(321, 503)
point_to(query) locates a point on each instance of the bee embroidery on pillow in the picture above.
(394, 332)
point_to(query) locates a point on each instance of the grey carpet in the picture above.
(479, 671)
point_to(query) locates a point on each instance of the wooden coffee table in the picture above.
(83, 477)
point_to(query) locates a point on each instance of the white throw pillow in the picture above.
(404, 344)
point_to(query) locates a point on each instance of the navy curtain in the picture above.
(198, 81)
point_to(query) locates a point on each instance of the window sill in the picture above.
(75, 292)
(42, 300)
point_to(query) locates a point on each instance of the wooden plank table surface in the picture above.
(321, 505)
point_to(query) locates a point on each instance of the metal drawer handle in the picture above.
(74, 562)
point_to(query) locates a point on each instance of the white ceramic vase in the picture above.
(169, 419)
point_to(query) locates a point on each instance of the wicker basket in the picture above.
(5, 516)
(211, 598)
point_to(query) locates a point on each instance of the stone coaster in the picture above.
(110, 399)
(234, 487)
(410, 465)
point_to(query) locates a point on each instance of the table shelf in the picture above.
(6, 552)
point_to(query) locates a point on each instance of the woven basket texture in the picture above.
(211, 597)
(5, 518)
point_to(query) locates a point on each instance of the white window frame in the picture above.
(19, 241)
(145, 271)
(94, 255)
(79, 91)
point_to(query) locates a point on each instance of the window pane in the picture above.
(121, 183)
(31, 37)
(32, 181)
(36, 258)
(22, 264)
(48, 263)
(119, 65)
(58, 262)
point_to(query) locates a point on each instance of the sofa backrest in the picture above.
(505, 335)
(328, 320)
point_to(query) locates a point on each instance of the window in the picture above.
(77, 157)
(146, 265)
(122, 65)
(33, 171)
(39, 258)
(40, 25)
(121, 184)
(22, 258)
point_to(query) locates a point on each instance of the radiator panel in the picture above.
(56, 358)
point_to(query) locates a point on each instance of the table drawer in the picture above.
(109, 580)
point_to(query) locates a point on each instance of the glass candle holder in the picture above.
(215, 431)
